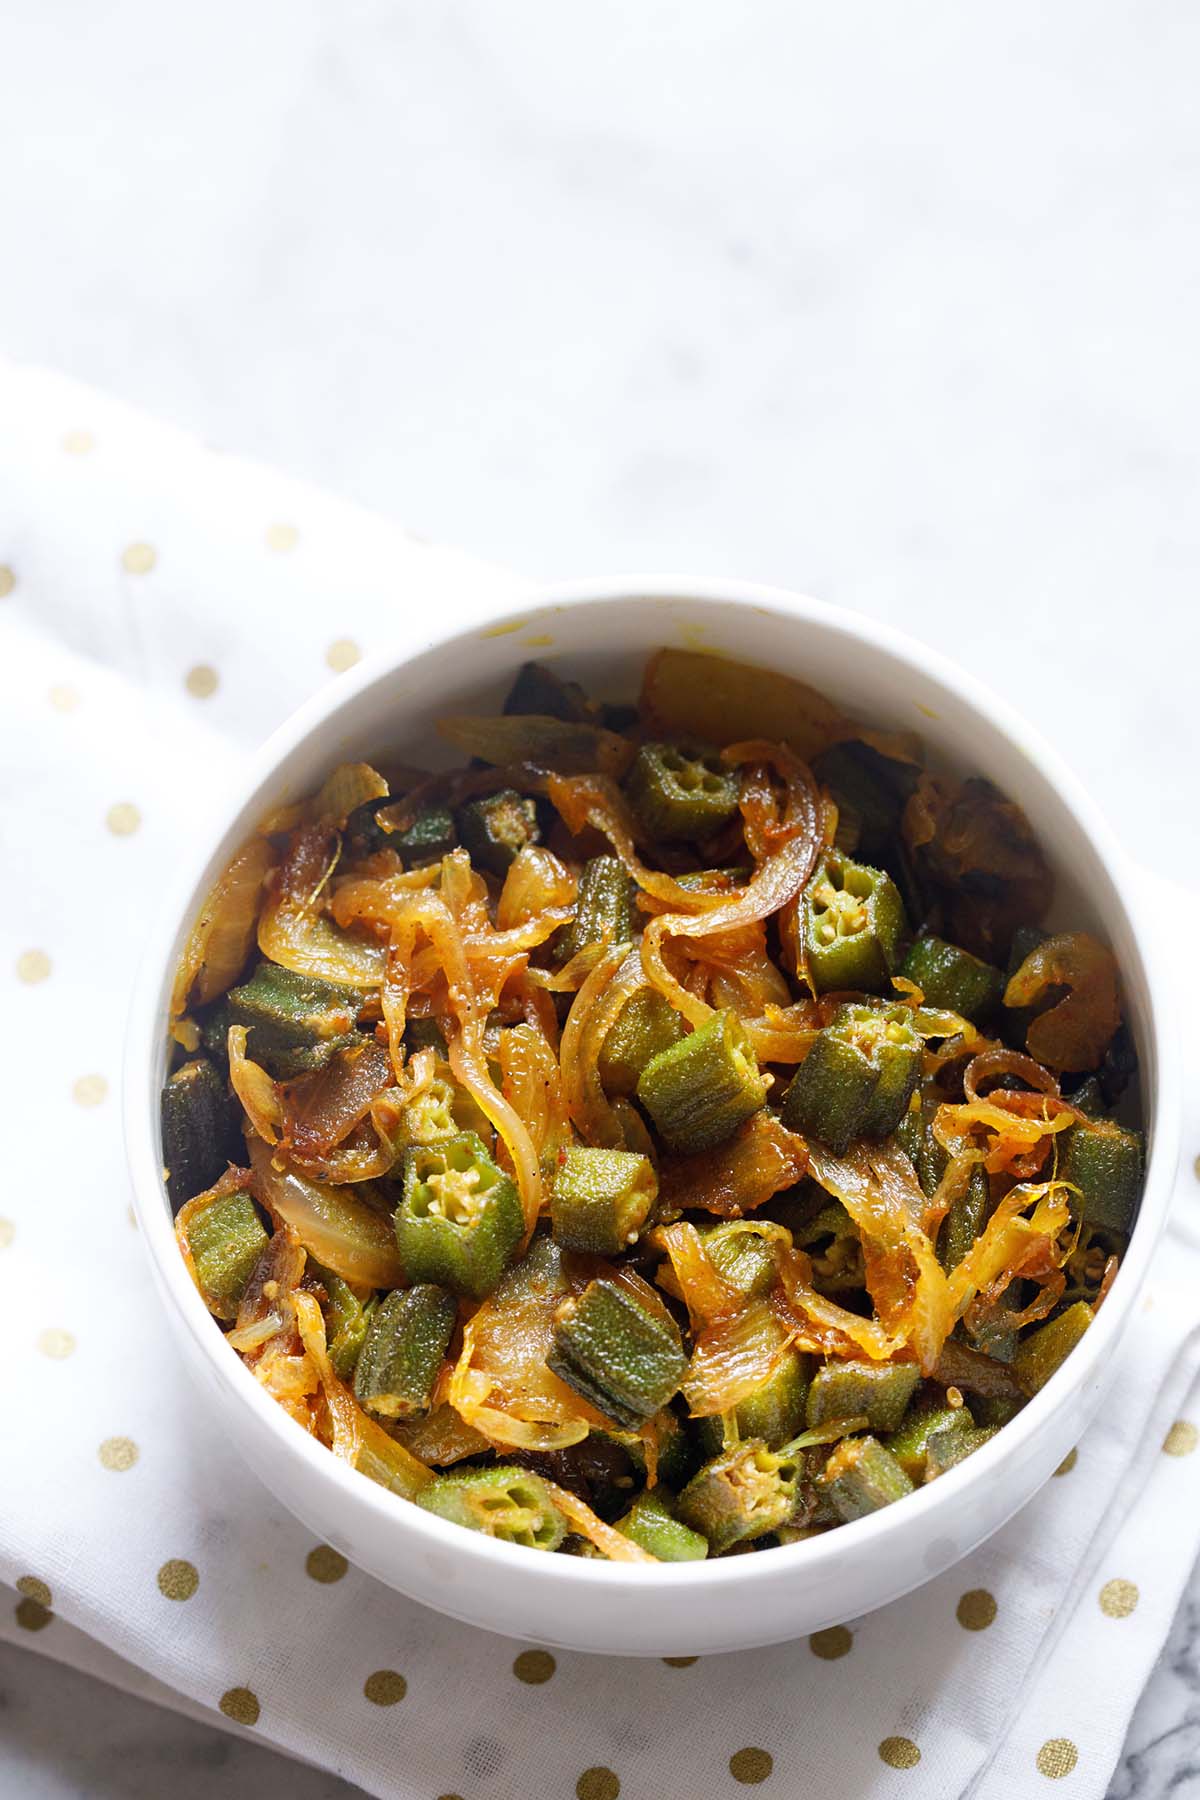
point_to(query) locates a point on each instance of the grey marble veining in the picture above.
(896, 309)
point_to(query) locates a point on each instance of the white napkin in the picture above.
(162, 607)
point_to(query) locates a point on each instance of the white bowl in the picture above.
(603, 632)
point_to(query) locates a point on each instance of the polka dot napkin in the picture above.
(161, 608)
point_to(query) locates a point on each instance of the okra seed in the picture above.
(827, 934)
(954, 1397)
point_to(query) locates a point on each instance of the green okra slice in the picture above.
(651, 1523)
(995, 1409)
(431, 836)
(877, 1392)
(1089, 1098)
(948, 1448)
(226, 1239)
(346, 1320)
(966, 1219)
(680, 796)
(201, 1130)
(742, 1256)
(424, 1034)
(775, 1411)
(495, 828)
(910, 1132)
(953, 979)
(861, 1476)
(513, 1505)
(603, 909)
(624, 1359)
(1103, 1162)
(459, 1218)
(295, 1023)
(852, 926)
(743, 1493)
(1043, 1352)
(701, 1089)
(646, 1025)
(601, 1199)
(858, 1078)
(405, 1345)
(910, 1442)
(537, 689)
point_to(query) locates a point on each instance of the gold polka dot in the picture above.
(201, 681)
(34, 1589)
(282, 537)
(832, 1643)
(118, 1454)
(33, 965)
(899, 1753)
(56, 1343)
(385, 1687)
(1056, 1758)
(78, 443)
(534, 1667)
(178, 1580)
(750, 1765)
(342, 655)
(138, 559)
(123, 819)
(8, 1232)
(89, 1090)
(8, 581)
(1181, 1439)
(32, 1615)
(976, 1610)
(1196, 1168)
(1118, 1599)
(680, 1662)
(325, 1564)
(597, 1784)
(63, 698)
(240, 1705)
(1068, 1463)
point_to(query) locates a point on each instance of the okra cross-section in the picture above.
(679, 796)
(861, 1476)
(601, 1199)
(701, 1089)
(296, 1023)
(742, 1494)
(405, 1343)
(624, 1359)
(645, 1025)
(459, 1218)
(852, 928)
(603, 908)
(651, 1523)
(954, 979)
(511, 1504)
(858, 1078)
(877, 1392)
(494, 829)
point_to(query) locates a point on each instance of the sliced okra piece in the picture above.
(645, 1025)
(965, 1220)
(226, 1239)
(947, 1448)
(701, 1089)
(994, 1409)
(493, 829)
(651, 1523)
(910, 1443)
(424, 1034)
(910, 1132)
(742, 1256)
(1089, 1098)
(1044, 1350)
(404, 1347)
(603, 909)
(852, 926)
(861, 1477)
(680, 796)
(537, 689)
(676, 1452)
(295, 1023)
(858, 1078)
(1103, 1162)
(459, 1218)
(430, 1116)
(742, 1494)
(513, 1505)
(601, 1199)
(624, 1359)
(868, 789)
(775, 1410)
(877, 1392)
(953, 979)
(431, 836)
(201, 1130)
(346, 1320)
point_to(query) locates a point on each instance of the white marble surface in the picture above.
(897, 307)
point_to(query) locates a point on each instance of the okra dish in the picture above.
(673, 1132)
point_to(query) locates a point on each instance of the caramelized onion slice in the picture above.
(340, 1226)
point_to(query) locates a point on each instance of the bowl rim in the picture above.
(922, 1509)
